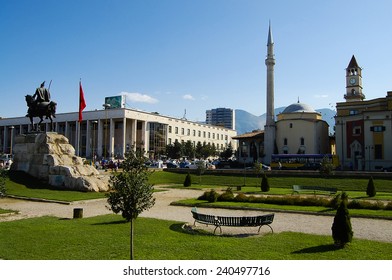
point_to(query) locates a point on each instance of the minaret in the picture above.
(270, 128)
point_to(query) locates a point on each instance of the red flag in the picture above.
(82, 102)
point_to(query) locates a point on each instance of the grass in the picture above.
(253, 183)
(107, 238)
(20, 184)
(273, 207)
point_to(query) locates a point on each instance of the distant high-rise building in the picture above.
(221, 117)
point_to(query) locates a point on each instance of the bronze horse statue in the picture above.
(40, 109)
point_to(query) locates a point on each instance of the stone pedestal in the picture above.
(50, 158)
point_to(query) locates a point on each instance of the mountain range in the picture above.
(247, 122)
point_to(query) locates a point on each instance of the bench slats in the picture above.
(219, 221)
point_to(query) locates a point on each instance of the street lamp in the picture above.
(106, 107)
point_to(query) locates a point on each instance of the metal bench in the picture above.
(220, 221)
(298, 189)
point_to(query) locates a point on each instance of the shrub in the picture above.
(212, 196)
(228, 195)
(241, 198)
(188, 180)
(371, 189)
(264, 184)
(335, 202)
(341, 228)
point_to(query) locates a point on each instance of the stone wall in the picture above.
(50, 158)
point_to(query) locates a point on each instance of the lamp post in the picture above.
(106, 107)
(369, 148)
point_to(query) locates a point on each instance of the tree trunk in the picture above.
(131, 240)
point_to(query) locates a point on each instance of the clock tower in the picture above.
(354, 82)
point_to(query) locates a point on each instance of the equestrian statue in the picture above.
(41, 106)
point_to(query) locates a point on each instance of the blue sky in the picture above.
(175, 55)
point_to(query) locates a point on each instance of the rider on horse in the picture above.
(41, 95)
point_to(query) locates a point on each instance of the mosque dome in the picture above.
(298, 108)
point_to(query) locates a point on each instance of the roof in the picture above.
(253, 134)
(298, 108)
(353, 63)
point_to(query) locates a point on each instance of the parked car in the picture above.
(171, 164)
(5, 161)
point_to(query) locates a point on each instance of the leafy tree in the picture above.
(188, 149)
(130, 193)
(258, 168)
(341, 228)
(226, 154)
(199, 150)
(326, 167)
(174, 150)
(265, 184)
(371, 189)
(188, 180)
(2, 183)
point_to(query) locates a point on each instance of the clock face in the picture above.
(352, 81)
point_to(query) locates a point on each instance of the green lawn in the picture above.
(107, 238)
(387, 214)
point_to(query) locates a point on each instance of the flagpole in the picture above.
(78, 125)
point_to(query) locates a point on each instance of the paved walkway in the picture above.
(372, 229)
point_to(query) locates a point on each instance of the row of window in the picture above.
(199, 133)
(378, 128)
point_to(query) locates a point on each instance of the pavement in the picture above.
(363, 228)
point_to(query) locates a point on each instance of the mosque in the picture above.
(299, 129)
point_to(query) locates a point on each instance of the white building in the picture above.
(111, 132)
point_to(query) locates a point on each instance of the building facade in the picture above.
(363, 128)
(221, 117)
(111, 132)
(301, 130)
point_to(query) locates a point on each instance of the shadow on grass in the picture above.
(27, 180)
(118, 222)
(194, 230)
(317, 249)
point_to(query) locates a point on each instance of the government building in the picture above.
(363, 127)
(112, 131)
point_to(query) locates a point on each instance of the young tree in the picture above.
(201, 168)
(371, 189)
(130, 193)
(341, 228)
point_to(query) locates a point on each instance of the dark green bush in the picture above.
(210, 196)
(341, 228)
(188, 180)
(241, 198)
(371, 189)
(265, 187)
(228, 195)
